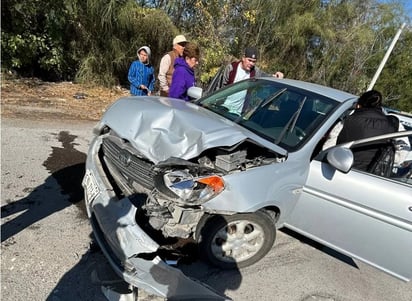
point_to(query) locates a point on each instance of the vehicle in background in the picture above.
(404, 117)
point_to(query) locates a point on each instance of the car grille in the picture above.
(129, 165)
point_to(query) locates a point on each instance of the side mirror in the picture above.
(340, 158)
(195, 92)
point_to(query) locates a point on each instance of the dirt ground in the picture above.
(35, 99)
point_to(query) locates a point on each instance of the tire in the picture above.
(238, 240)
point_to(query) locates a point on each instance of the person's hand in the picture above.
(278, 74)
(143, 87)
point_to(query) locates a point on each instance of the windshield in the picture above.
(282, 114)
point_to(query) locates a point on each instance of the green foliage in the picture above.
(396, 81)
(32, 41)
(335, 43)
(108, 44)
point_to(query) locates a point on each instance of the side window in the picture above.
(215, 83)
(391, 159)
(402, 166)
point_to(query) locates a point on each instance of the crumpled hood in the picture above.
(160, 128)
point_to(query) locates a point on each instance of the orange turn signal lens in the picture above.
(215, 182)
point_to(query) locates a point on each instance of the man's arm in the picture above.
(226, 73)
(163, 68)
(260, 73)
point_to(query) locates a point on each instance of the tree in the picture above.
(33, 42)
(395, 81)
(110, 32)
(337, 43)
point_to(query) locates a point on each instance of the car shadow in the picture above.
(335, 254)
(196, 267)
(212, 277)
(78, 283)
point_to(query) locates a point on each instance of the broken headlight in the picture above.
(193, 189)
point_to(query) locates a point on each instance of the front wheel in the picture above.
(237, 240)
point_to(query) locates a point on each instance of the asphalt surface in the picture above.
(46, 240)
(48, 252)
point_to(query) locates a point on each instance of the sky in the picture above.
(407, 4)
(408, 7)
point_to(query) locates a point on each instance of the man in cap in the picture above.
(236, 71)
(167, 64)
(245, 68)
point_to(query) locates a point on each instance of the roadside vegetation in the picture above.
(332, 42)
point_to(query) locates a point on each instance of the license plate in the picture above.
(91, 188)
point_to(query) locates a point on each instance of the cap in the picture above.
(251, 52)
(179, 39)
(145, 48)
(370, 99)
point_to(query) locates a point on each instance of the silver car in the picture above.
(224, 172)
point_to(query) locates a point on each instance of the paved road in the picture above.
(46, 245)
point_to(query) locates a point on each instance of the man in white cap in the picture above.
(167, 64)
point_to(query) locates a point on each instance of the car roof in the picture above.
(335, 94)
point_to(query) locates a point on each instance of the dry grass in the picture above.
(33, 98)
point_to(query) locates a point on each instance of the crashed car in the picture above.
(226, 171)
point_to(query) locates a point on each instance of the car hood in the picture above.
(160, 128)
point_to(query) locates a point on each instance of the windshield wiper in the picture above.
(290, 125)
(273, 96)
(262, 104)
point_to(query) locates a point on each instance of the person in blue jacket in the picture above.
(141, 74)
(184, 74)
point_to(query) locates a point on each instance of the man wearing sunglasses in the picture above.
(167, 64)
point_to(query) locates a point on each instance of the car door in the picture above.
(362, 215)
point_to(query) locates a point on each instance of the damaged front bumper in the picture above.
(127, 247)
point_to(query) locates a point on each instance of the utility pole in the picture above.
(385, 58)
